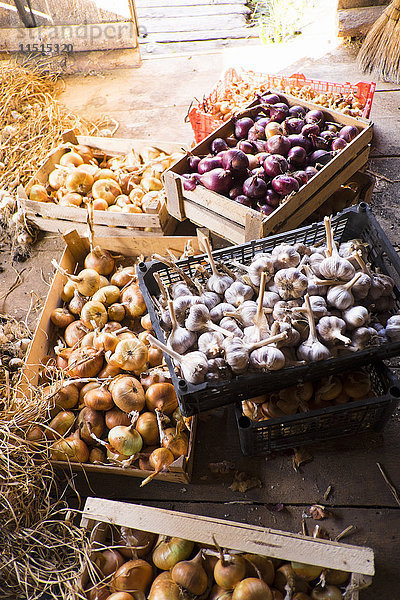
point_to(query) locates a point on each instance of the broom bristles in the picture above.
(380, 52)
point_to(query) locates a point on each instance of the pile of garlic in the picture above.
(297, 304)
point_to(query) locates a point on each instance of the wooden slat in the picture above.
(96, 36)
(173, 12)
(143, 4)
(192, 24)
(206, 34)
(235, 536)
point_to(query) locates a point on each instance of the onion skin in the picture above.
(115, 417)
(169, 552)
(67, 396)
(161, 396)
(61, 424)
(120, 596)
(127, 393)
(136, 537)
(191, 575)
(147, 379)
(88, 421)
(100, 260)
(164, 588)
(330, 592)
(61, 317)
(99, 399)
(84, 362)
(227, 574)
(125, 440)
(252, 589)
(109, 561)
(74, 333)
(146, 425)
(134, 575)
(71, 449)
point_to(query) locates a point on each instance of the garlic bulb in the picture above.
(334, 266)
(347, 250)
(363, 337)
(211, 343)
(244, 314)
(318, 306)
(182, 305)
(194, 365)
(218, 370)
(179, 289)
(238, 293)
(261, 263)
(199, 319)
(314, 260)
(312, 350)
(230, 325)
(393, 328)
(260, 329)
(217, 283)
(302, 249)
(217, 313)
(283, 309)
(209, 299)
(340, 296)
(268, 358)
(291, 283)
(180, 339)
(313, 289)
(331, 329)
(270, 299)
(285, 256)
(293, 336)
(356, 316)
(236, 355)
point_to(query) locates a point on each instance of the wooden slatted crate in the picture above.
(49, 216)
(99, 514)
(240, 224)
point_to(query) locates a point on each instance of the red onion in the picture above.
(262, 121)
(246, 147)
(259, 171)
(271, 198)
(257, 132)
(217, 180)
(278, 144)
(319, 143)
(261, 156)
(235, 160)
(301, 176)
(235, 191)
(292, 125)
(193, 163)
(310, 171)
(261, 145)
(275, 164)
(297, 156)
(348, 133)
(285, 184)
(245, 200)
(298, 139)
(255, 187)
(278, 112)
(297, 111)
(310, 129)
(242, 127)
(189, 183)
(315, 116)
(269, 99)
(231, 141)
(334, 127)
(321, 157)
(218, 145)
(265, 209)
(338, 143)
(208, 163)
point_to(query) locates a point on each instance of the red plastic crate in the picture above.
(203, 122)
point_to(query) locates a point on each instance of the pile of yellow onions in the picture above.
(141, 565)
(123, 184)
(110, 397)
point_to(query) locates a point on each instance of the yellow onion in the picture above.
(71, 158)
(68, 291)
(97, 456)
(307, 572)
(66, 396)
(229, 571)
(121, 596)
(60, 424)
(86, 388)
(85, 152)
(107, 295)
(135, 305)
(145, 322)
(134, 575)
(108, 561)
(135, 542)
(74, 333)
(38, 193)
(87, 282)
(57, 178)
(252, 589)
(125, 440)
(105, 174)
(336, 577)
(99, 592)
(262, 564)
(124, 276)
(171, 550)
(109, 371)
(164, 588)
(329, 592)
(61, 317)
(76, 303)
(127, 393)
(88, 340)
(218, 593)
(116, 312)
(84, 362)
(115, 417)
(100, 260)
(161, 396)
(356, 384)
(106, 189)
(155, 356)
(99, 399)
(190, 575)
(79, 181)
(159, 460)
(107, 342)
(130, 355)
(71, 449)
(178, 443)
(147, 426)
(90, 421)
(154, 376)
(94, 314)
(112, 327)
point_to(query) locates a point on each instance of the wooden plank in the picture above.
(192, 24)
(235, 536)
(143, 4)
(206, 34)
(357, 21)
(76, 38)
(344, 4)
(173, 12)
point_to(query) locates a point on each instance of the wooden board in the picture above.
(343, 4)
(232, 221)
(235, 536)
(355, 22)
(49, 216)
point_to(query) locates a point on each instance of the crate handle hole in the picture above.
(244, 422)
(142, 267)
(362, 207)
(394, 391)
(182, 384)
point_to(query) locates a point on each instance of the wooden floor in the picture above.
(151, 102)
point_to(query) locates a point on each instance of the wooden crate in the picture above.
(49, 216)
(357, 560)
(44, 336)
(240, 224)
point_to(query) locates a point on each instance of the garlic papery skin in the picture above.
(313, 289)
(199, 319)
(293, 336)
(362, 286)
(236, 355)
(291, 283)
(340, 296)
(209, 299)
(179, 289)
(218, 370)
(217, 313)
(314, 261)
(393, 328)
(180, 339)
(182, 304)
(347, 250)
(230, 325)
(194, 365)
(268, 358)
(217, 283)
(245, 313)
(211, 344)
(283, 309)
(318, 307)
(334, 266)
(261, 263)
(312, 350)
(362, 337)
(356, 316)
(238, 293)
(285, 256)
(270, 299)
(331, 329)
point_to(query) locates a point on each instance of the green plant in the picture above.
(279, 20)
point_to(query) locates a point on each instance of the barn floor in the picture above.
(151, 102)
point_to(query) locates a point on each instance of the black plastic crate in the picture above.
(355, 222)
(316, 426)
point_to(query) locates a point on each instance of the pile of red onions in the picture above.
(270, 156)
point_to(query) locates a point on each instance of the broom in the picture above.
(380, 51)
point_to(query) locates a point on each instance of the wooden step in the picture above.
(194, 36)
(355, 22)
(161, 12)
(191, 24)
(140, 4)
